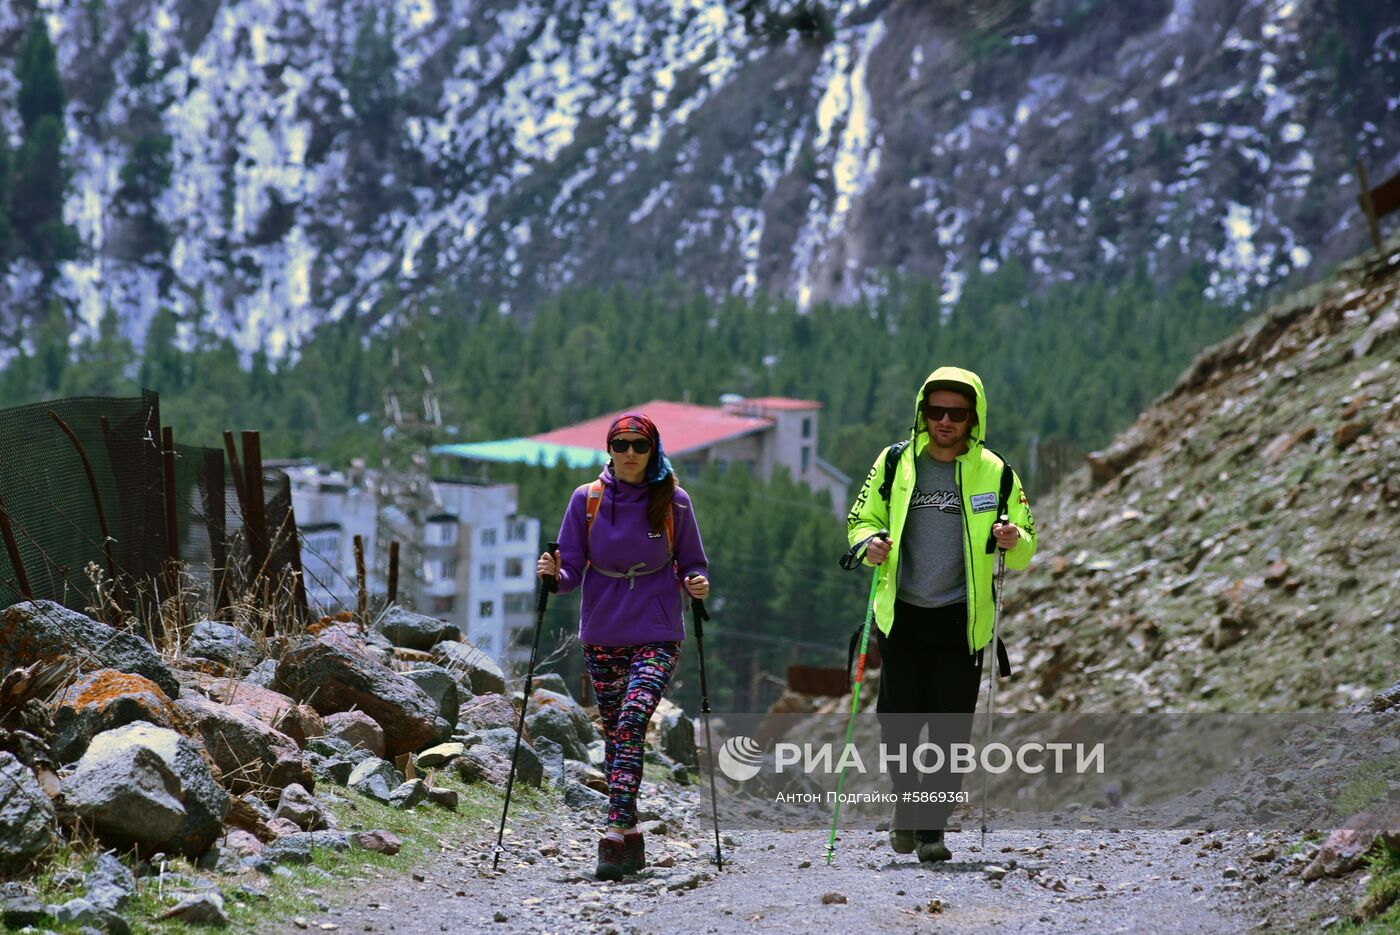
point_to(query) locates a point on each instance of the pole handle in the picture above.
(856, 553)
(551, 583)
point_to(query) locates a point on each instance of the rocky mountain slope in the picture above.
(330, 155)
(1232, 550)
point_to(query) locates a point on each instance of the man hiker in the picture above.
(934, 600)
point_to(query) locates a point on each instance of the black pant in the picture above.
(926, 669)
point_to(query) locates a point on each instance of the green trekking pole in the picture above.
(850, 560)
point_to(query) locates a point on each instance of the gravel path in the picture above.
(776, 881)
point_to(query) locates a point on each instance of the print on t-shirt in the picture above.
(947, 501)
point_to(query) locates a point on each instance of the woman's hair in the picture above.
(659, 498)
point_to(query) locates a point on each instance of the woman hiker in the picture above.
(631, 541)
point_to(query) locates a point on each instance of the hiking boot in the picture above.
(902, 841)
(931, 847)
(611, 857)
(634, 851)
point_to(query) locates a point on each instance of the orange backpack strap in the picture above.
(591, 505)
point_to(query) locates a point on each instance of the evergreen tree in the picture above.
(148, 167)
(6, 233)
(36, 200)
(102, 366)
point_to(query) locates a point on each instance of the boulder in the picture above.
(333, 679)
(109, 884)
(486, 712)
(409, 794)
(414, 631)
(677, 738)
(380, 842)
(375, 778)
(300, 808)
(439, 685)
(204, 908)
(358, 730)
(42, 631)
(443, 797)
(104, 700)
(501, 742)
(251, 754)
(224, 644)
(478, 670)
(551, 682)
(483, 765)
(205, 802)
(581, 798)
(300, 722)
(299, 848)
(440, 755)
(28, 827)
(129, 796)
(264, 673)
(554, 724)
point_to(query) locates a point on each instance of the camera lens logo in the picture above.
(740, 758)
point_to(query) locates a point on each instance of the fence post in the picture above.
(214, 513)
(255, 515)
(303, 608)
(1368, 205)
(96, 495)
(393, 571)
(12, 548)
(360, 581)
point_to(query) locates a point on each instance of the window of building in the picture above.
(449, 570)
(806, 458)
(488, 572)
(807, 427)
(488, 536)
(441, 533)
(444, 605)
(488, 608)
(514, 568)
(515, 531)
(519, 603)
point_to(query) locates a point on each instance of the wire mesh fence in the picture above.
(100, 511)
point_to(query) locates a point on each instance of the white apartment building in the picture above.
(477, 555)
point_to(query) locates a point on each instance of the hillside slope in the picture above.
(328, 156)
(1235, 548)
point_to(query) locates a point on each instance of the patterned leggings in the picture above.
(629, 682)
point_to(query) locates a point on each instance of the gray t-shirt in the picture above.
(931, 545)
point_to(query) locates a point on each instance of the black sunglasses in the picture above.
(955, 414)
(640, 445)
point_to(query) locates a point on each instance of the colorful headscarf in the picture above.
(658, 466)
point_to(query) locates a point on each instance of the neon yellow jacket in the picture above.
(978, 474)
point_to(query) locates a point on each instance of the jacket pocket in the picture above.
(659, 615)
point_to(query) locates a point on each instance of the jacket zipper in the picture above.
(967, 561)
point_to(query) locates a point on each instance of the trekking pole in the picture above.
(850, 560)
(547, 584)
(992, 684)
(698, 615)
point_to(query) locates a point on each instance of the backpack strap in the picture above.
(595, 501)
(892, 454)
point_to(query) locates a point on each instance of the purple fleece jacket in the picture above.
(616, 611)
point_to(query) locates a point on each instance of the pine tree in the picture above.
(36, 200)
(148, 167)
(6, 233)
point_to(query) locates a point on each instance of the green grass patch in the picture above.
(1382, 895)
(1367, 786)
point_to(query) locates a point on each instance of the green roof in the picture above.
(524, 451)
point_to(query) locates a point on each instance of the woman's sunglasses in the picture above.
(640, 445)
(955, 414)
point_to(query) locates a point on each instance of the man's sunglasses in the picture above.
(640, 445)
(955, 414)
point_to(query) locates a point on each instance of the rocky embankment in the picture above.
(237, 755)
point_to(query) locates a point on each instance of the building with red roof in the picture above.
(756, 435)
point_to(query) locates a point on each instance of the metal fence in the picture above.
(102, 512)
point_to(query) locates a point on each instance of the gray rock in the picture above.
(43, 630)
(542, 699)
(441, 686)
(551, 682)
(110, 884)
(252, 754)
(357, 730)
(414, 631)
(129, 796)
(300, 808)
(205, 802)
(298, 848)
(409, 794)
(329, 746)
(28, 826)
(555, 724)
(336, 769)
(205, 908)
(332, 678)
(678, 739)
(263, 674)
(78, 911)
(581, 798)
(259, 807)
(443, 798)
(474, 667)
(222, 643)
(375, 778)
(502, 740)
(551, 757)
(22, 911)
